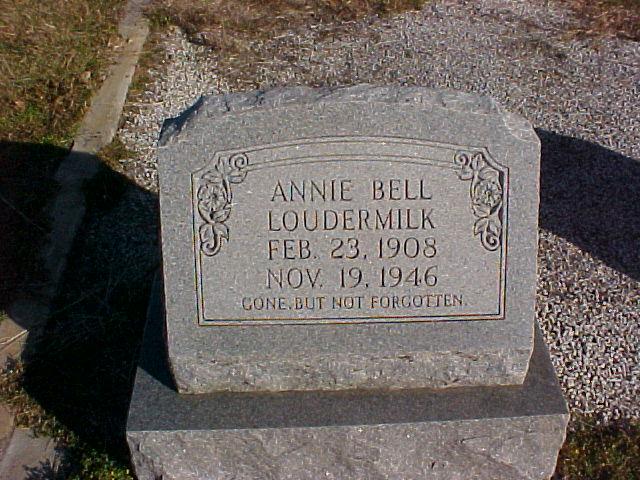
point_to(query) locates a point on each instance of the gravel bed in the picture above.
(581, 93)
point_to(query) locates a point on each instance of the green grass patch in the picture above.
(595, 451)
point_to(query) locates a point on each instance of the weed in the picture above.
(112, 154)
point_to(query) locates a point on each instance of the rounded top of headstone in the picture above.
(211, 106)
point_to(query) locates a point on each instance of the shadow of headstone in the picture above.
(44, 471)
(590, 195)
(83, 371)
(82, 366)
(26, 185)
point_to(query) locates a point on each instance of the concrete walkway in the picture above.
(23, 455)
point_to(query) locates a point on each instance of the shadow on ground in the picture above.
(590, 195)
(44, 471)
(84, 368)
(26, 184)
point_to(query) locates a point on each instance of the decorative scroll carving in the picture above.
(214, 200)
(486, 192)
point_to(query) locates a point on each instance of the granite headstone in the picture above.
(333, 260)
(366, 237)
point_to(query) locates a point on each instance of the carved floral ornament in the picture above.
(215, 196)
(214, 200)
(486, 193)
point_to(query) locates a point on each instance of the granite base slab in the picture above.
(493, 433)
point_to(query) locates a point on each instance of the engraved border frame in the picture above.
(316, 320)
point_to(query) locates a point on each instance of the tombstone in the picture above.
(348, 291)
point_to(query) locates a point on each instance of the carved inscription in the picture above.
(350, 230)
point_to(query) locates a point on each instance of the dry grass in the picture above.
(609, 17)
(234, 29)
(229, 25)
(27, 410)
(49, 63)
(52, 53)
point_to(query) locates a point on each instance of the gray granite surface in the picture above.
(219, 165)
(471, 432)
(577, 90)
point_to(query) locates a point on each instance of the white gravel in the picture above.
(583, 93)
(181, 77)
